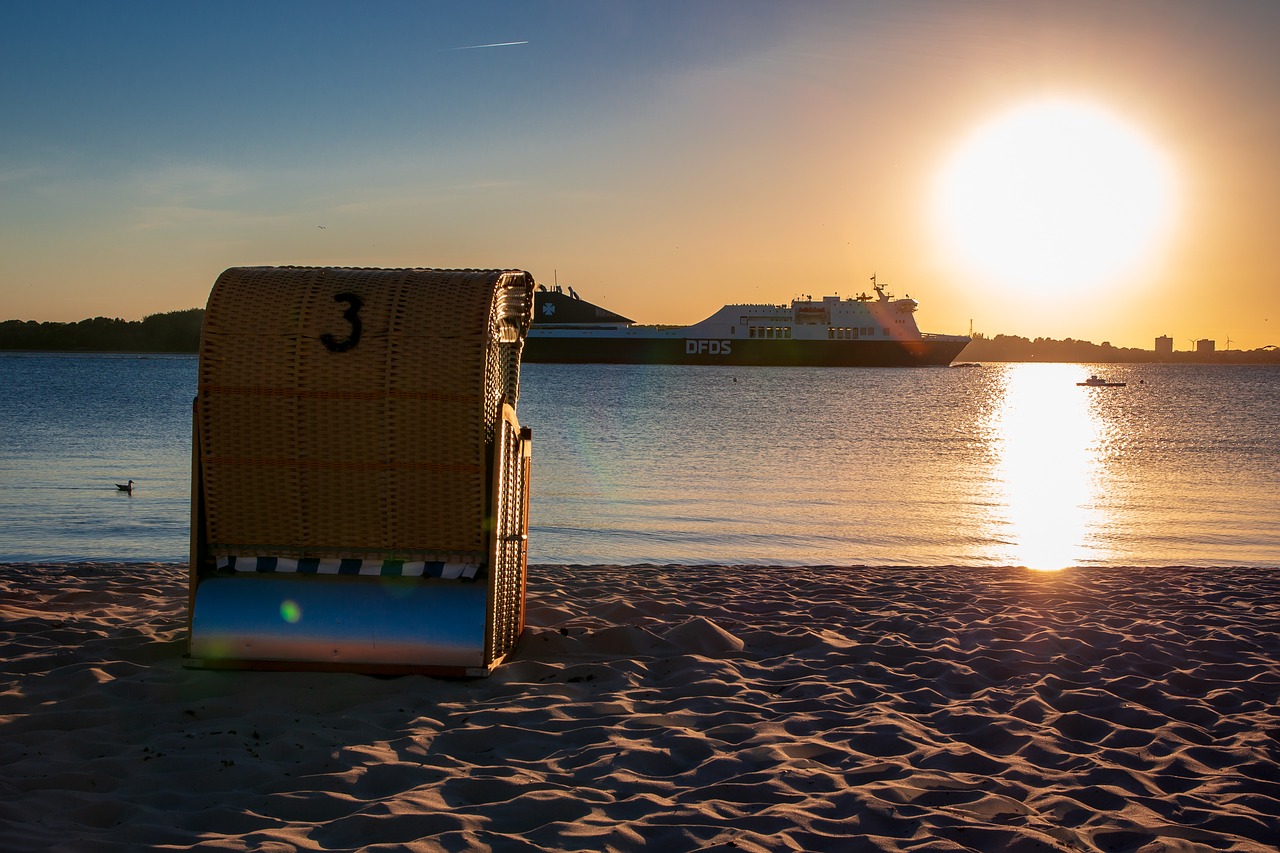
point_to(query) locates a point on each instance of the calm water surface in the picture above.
(992, 465)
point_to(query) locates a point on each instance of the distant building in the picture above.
(1205, 345)
(1164, 345)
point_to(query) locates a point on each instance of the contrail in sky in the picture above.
(495, 44)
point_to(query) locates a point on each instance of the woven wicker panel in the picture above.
(344, 412)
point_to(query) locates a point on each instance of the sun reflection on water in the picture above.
(1047, 438)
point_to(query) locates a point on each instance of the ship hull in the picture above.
(780, 353)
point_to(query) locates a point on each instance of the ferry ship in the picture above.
(859, 331)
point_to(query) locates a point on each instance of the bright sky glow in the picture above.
(1055, 197)
(662, 157)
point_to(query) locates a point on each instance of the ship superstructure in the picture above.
(869, 331)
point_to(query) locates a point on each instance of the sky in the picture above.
(1105, 171)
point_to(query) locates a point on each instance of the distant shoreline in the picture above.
(122, 352)
(1228, 357)
(178, 333)
(1012, 348)
(173, 332)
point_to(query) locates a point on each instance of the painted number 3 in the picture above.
(352, 316)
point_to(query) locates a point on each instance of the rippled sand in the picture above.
(669, 708)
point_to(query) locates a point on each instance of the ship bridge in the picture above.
(555, 307)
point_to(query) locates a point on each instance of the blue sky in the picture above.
(662, 157)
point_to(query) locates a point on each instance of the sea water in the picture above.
(1001, 464)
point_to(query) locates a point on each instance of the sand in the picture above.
(717, 708)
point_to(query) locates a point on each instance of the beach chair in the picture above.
(360, 481)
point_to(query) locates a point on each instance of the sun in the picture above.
(1054, 197)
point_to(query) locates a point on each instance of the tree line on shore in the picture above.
(179, 331)
(176, 331)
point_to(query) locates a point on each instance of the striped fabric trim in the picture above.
(378, 568)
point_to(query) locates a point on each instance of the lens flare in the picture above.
(290, 611)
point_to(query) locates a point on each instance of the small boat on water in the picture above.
(860, 331)
(1096, 381)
